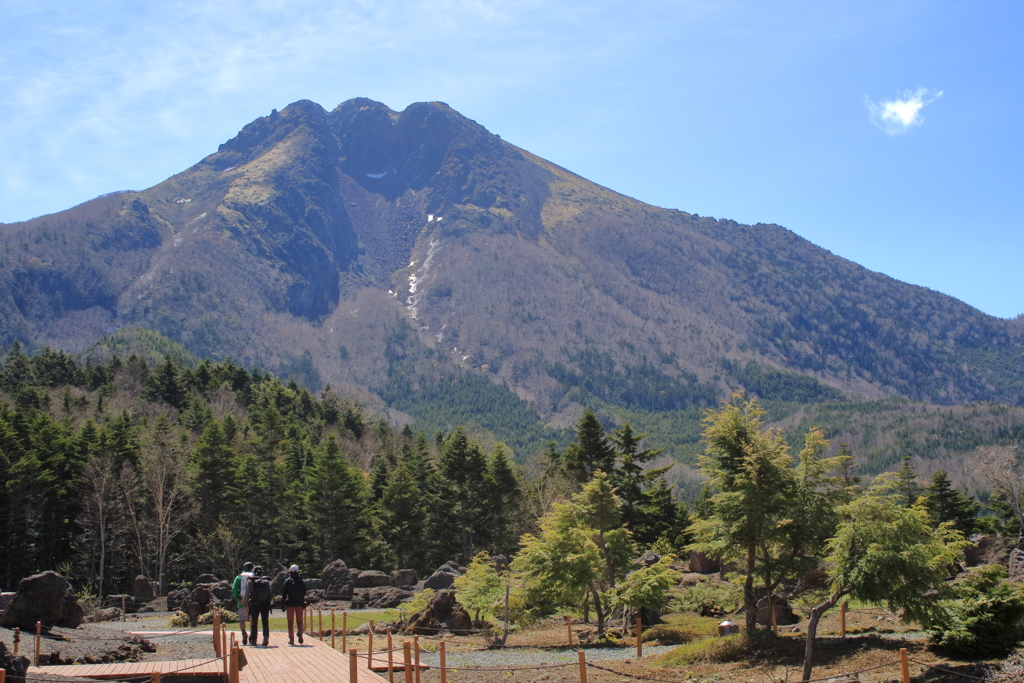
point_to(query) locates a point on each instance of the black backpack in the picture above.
(260, 590)
(294, 591)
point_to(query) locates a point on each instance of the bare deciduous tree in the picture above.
(166, 479)
(1000, 469)
(98, 501)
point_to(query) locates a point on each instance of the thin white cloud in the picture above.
(898, 116)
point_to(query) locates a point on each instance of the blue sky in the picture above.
(887, 132)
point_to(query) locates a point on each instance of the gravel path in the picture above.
(526, 657)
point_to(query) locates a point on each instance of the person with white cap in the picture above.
(294, 601)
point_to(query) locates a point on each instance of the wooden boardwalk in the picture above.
(312, 662)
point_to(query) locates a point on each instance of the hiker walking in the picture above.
(294, 595)
(240, 589)
(259, 605)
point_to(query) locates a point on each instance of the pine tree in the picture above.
(401, 515)
(908, 487)
(947, 504)
(592, 450)
(166, 385)
(216, 464)
(337, 502)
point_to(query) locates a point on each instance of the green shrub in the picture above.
(709, 598)
(226, 617)
(180, 620)
(708, 651)
(983, 619)
(667, 635)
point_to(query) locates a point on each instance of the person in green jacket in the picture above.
(240, 589)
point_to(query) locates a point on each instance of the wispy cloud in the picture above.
(898, 116)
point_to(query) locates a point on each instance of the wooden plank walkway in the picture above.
(312, 662)
(124, 669)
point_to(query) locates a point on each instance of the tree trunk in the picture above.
(749, 598)
(599, 608)
(504, 633)
(812, 630)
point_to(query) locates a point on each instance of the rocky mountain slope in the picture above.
(405, 253)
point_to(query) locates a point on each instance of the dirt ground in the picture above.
(872, 648)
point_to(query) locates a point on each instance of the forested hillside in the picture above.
(116, 468)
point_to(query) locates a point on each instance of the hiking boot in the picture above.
(300, 639)
(266, 642)
(245, 639)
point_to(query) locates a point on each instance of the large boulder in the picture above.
(314, 584)
(337, 581)
(207, 578)
(205, 597)
(383, 597)
(45, 598)
(443, 613)
(142, 589)
(198, 602)
(440, 580)
(404, 577)
(5, 600)
(372, 578)
(445, 576)
(131, 605)
(175, 598)
(784, 614)
(702, 564)
(648, 559)
(277, 583)
(16, 667)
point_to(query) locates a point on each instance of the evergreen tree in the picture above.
(215, 464)
(647, 506)
(947, 504)
(592, 450)
(753, 473)
(908, 487)
(402, 518)
(504, 503)
(337, 502)
(465, 483)
(166, 385)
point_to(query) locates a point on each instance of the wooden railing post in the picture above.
(320, 615)
(842, 620)
(124, 613)
(233, 673)
(369, 648)
(17, 638)
(639, 638)
(3, 675)
(904, 665)
(568, 626)
(408, 661)
(39, 639)
(416, 647)
(344, 630)
(583, 666)
(444, 664)
(332, 628)
(155, 677)
(353, 665)
(391, 657)
(216, 632)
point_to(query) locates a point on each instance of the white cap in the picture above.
(294, 568)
